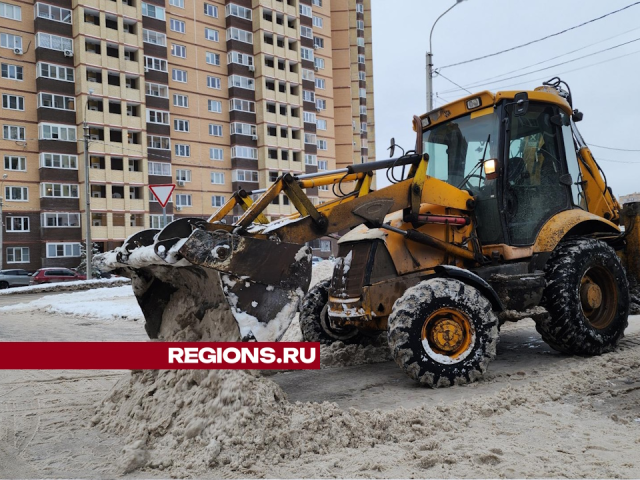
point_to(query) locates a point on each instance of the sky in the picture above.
(608, 94)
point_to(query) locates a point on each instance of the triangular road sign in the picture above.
(162, 193)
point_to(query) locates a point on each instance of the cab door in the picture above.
(535, 172)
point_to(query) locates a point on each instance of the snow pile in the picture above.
(340, 355)
(68, 286)
(321, 271)
(101, 303)
(206, 423)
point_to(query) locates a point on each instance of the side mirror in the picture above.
(392, 147)
(522, 104)
(577, 116)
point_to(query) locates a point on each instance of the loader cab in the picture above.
(520, 164)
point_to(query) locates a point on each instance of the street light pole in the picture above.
(1, 219)
(430, 60)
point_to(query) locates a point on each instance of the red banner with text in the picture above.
(159, 355)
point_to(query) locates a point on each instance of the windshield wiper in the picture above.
(479, 164)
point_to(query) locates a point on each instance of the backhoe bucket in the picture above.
(194, 284)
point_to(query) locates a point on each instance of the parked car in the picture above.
(315, 260)
(54, 275)
(13, 278)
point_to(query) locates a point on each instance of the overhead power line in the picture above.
(540, 39)
(475, 85)
(615, 161)
(451, 81)
(613, 148)
(496, 78)
(496, 86)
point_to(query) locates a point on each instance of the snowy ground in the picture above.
(67, 286)
(536, 413)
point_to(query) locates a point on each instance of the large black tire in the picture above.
(4, 285)
(314, 322)
(575, 325)
(443, 332)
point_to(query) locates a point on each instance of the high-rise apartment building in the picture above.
(210, 95)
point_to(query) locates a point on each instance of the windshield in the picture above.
(458, 148)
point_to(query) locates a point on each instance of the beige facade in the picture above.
(209, 95)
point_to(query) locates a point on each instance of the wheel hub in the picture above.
(447, 335)
(448, 332)
(591, 296)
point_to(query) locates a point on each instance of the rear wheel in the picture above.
(587, 297)
(315, 323)
(4, 285)
(443, 332)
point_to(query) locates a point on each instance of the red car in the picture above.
(54, 275)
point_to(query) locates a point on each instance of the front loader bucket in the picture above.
(193, 284)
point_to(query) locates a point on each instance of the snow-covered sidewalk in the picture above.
(68, 286)
(101, 303)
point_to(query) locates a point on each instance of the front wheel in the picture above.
(443, 332)
(587, 297)
(4, 285)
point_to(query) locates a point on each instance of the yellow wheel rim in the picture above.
(598, 297)
(448, 332)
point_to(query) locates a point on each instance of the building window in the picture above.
(213, 82)
(320, 83)
(60, 102)
(157, 90)
(154, 38)
(306, 10)
(10, 41)
(215, 106)
(12, 72)
(157, 116)
(54, 42)
(12, 102)
(177, 26)
(319, 63)
(179, 75)
(322, 145)
(360, 41)
(183, 200)
(180, 100)
(12, 12)
(153, 11)
(213, 59)
(231, 9)
(240, 35)
(237, 128)
(360, 24)
(323, 164)
(359, 7)
(215, 130)
(310, 138)
(160, 168)
(157, 221)
(182, 150)
(308, 74)
(217, 201)
(361, 59)
(306, 32)
(321, 103)
(325, 245)
(183, 175)
(317, 21)
(363, 109)
(18, 255)
(362, 76)
(308, 96)
(240, 58)
(58, 190)
(179, 51)
(240, 105)
(15, 163)
(59, 160)
(181, 125)
(153, 63)
(16, 194)
(60, 220)
(244, 152)
(306, 53)
(309, 117)
(317, 3)
(161, 143)
(310, 159)
(363, 93)
(211, 34)
(55, 72)
(216, 154)
(322, 124)
(51, 12)
(13, 132)
(177, 3)
(245, 176)
(17, 224)
(217, 178)
(210, 10)
(55, 250)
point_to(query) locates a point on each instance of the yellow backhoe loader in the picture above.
(500, 212)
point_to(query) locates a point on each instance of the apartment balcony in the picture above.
(114, 90)
(132, 94)
(279, 52)
(292, 55)
(136, 205)
(130, 38)
(95, 86)
(281, 97)
(99, 232)
(134, 123)
(133, 67)
(93, 58)
(117, 204)
(91, 29)
(129, 11)
(97, 175)
(118, 232)
(262, 69)
(111, 62)
(294, 77)
(112, 35)
(94, 116)
(135, 177)
(98, 203)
